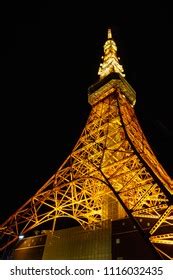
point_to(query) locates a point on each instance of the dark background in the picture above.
(49, 56)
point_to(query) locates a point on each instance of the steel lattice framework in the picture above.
(110, 173)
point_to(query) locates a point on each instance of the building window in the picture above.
(117, 240)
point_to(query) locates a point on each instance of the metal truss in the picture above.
(111, 151)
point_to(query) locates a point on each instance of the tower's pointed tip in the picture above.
(109, 33)
(110, 61)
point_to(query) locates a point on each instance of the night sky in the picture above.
(48, 59)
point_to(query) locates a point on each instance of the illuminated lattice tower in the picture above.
(111, 173)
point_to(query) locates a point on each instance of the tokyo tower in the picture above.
(111, 174)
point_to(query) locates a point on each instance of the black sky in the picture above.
(48, 59)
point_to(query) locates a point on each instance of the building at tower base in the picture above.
(114, 241)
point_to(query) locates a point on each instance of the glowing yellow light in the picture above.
(110, 60)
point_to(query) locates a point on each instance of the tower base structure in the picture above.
(111, 242)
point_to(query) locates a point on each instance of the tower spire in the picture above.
(110, 60)
(109, 33)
